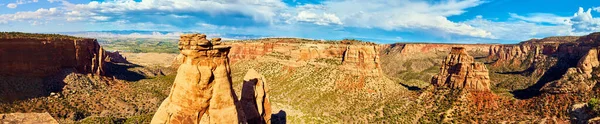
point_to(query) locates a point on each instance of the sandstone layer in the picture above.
(460, 71)
(255, 98)
(47, 55)
(362, 57)
(424, 48)
(202, 90)
(27, 118)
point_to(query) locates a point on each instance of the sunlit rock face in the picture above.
(40, 57)
(202, 86)
(460, 71)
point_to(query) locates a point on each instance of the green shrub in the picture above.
(594, 104)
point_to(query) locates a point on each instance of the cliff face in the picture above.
(417, 48)
(361, 57)
(460, 71)
(560, 64)
(47, 56)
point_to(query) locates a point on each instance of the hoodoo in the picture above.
(202, 86)
(460, 71)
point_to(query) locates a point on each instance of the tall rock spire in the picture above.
(202, 86)
(460, 71)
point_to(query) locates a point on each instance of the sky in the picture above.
(380, 21)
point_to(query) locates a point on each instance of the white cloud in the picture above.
(11, 5)
(263, 11)
(319, 19)
(542, 18)
(597, 9)
(402, 15)
(32, 16)
(519, 30)
(582, 21)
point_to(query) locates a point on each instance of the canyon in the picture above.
(300, 80)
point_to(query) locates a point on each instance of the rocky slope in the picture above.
(45, 55)
(460, 71)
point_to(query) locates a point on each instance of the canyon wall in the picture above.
(46, 56)
(363, 57)
(425, 48)
(560, 64)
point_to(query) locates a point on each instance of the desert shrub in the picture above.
(594, 105)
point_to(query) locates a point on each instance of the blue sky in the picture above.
(382, 21)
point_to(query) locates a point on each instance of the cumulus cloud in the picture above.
(582, 21)
(319, 19)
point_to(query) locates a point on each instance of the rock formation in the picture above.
(363, 57)
(577, 79)
(202, 86)
(45, 55)
(416, 48)
(255, 98)
(27, 118)
(460, 71)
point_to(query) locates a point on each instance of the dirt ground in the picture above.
(150, 59)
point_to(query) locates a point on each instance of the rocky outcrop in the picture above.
(525, 53)
(581, 78)
(27, 118)
(460, 71)
(255, 98)
(202, 89)
(46, 55)
(115, 57)
(365, 57)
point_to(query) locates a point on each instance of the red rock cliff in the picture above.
(361, 56)
(47, 56)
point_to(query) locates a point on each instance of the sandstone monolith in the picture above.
(460, 71)
(202, 86)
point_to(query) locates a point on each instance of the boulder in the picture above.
(460, 71)
(202, 87)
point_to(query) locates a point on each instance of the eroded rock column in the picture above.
(255, 98)
(202, 85)
(460, 71)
